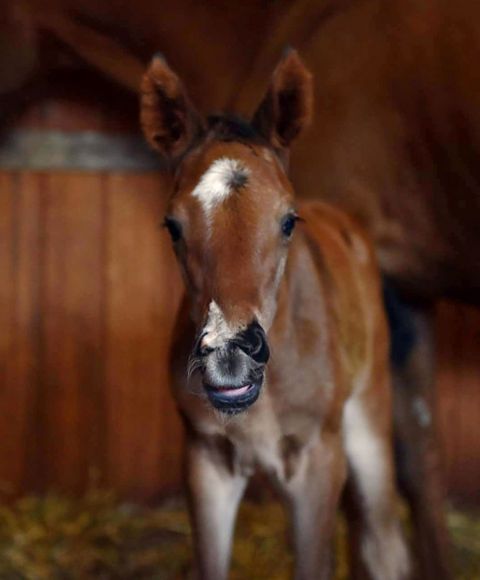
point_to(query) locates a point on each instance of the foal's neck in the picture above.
(301, 296)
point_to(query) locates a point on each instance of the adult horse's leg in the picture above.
(215, 489)
(313, 493)
(418, 458)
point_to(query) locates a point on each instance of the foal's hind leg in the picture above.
(377, 545)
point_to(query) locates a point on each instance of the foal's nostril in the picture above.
(200, 349)
(260, 352)
(253, 342)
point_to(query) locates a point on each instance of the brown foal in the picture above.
(289, 366)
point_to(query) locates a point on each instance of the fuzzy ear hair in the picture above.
(169, 121)
(287, 107)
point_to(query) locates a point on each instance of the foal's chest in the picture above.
(258, 447)
(260, 440)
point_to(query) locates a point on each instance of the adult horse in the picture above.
(395, 139)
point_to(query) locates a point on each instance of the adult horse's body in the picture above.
(395, 139)
(322, 405)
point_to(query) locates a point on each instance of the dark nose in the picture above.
(233, 373)
(253, 342)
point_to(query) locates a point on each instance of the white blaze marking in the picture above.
(216, 184)
(217, 330)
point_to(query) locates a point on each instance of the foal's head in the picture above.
(231, 217)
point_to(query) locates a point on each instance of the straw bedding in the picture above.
(96, 536)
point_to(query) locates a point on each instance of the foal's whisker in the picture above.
(193, 365)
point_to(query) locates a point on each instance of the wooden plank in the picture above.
(19, 318)
(71, 409)
(8, 473)
(144, 436)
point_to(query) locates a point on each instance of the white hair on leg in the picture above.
(383, 547)
(365, 451)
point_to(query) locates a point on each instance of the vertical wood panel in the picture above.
(7, 292)
(19, 321)
(71, 373)
(87, 305)
(144, 437)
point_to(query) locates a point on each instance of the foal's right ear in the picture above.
(287, 108)
(169, 121)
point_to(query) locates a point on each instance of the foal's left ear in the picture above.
(169, 121)
(287, 107)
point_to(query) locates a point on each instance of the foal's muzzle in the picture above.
(233, 373)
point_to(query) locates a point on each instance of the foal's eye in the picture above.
(288, 224)
(173, 227)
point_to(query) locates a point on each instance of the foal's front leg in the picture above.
(313, 492)
(215, 490)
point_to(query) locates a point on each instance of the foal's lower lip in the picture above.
(233, 400)
(233, 392)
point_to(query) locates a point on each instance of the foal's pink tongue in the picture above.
(235, 392)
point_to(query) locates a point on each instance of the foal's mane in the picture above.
(230, 127)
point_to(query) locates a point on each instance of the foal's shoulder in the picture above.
(337, 231)
(345, 257)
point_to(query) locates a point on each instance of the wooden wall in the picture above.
(88, 294)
